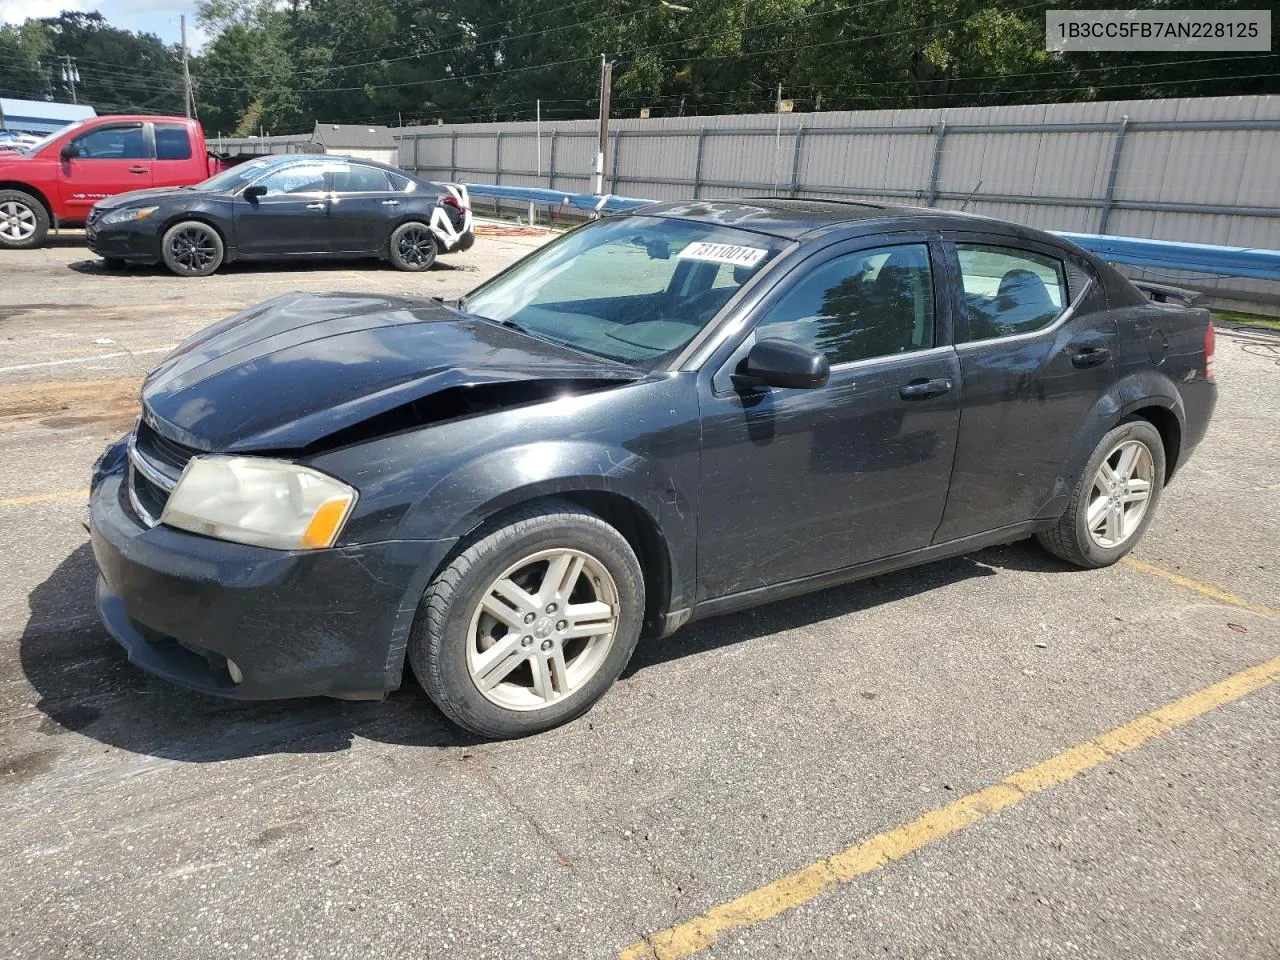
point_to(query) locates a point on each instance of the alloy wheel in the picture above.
(193, 249)
(17, 221)
(1121, 494)
(542, 629)
(416, 246)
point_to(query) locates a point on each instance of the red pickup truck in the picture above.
(56, 181)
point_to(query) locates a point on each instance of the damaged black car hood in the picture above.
(288, 373)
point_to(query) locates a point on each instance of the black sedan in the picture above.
(662, 416)
(285, 207)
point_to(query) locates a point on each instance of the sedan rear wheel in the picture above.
(531, 624)
(192, 249)
(24, 222)
(413, 247)
(1114, 500)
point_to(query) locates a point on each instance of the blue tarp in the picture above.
(1163, 254)
(40, 117)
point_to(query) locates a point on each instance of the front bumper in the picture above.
(135, 241)
(320, 622)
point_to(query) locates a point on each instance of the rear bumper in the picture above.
(322, 622)
(1199, 398)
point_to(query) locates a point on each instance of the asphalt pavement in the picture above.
(841, 735)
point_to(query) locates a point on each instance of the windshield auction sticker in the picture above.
(722, 253)
(1191, 30)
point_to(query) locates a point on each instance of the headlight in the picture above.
(265, 503)
(126, 216)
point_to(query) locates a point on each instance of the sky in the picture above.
(141, 16)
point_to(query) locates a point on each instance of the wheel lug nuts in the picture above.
(526, 641)
(562, 624)
(529, 618)
(551, 608)
(546, 644)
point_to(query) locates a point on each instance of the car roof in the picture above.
(280, 159)
(793, 219)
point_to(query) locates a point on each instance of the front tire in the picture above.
(192, 249)
(1115, 499)
(412, 247)
(531, 624)
(24, 222)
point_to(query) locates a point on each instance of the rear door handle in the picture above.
(923, 389)
(137, 169)
(315, 206)
(391, 203)
(1089, 356)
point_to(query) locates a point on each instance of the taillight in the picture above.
(1210, 341)
(452, 201)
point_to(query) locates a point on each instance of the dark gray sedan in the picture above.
(662, 416)
(285, 208)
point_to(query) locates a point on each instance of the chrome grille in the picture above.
(155, 466)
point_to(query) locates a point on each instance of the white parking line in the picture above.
(100, 356)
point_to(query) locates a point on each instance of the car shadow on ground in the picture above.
(96, 267)
(84, 682)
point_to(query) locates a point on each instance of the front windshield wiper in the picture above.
(512, 325)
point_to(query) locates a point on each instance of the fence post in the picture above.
(1111, 176)
(697, 163)
(453, 156)
(551, 165)
(417, 138)
(613, 179)
(795, 160)
(937, 164)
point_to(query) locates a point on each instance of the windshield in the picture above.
(235, 177)
(49, 138)
(635, 289)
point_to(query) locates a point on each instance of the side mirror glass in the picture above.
(70, 150)
(783, 363)
(254, 192)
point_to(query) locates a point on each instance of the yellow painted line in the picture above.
(1204, 589)
(879, 851)
(45, 498)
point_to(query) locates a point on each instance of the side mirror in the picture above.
(70, 150)
(254, 192)
(783, 363)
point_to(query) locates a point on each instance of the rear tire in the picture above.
(192, 249)
(24, 222)
(412, 247)
(1111, 508)
(530, 624)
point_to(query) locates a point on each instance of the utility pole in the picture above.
(70, 75)
(187, 99)
(606, 94)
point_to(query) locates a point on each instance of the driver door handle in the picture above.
(391, 203)
(923, 389)
(315, 206)
(137, 169)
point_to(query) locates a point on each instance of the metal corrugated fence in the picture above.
(1201, 170)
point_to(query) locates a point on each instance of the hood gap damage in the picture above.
(459, 403)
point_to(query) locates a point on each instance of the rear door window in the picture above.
(357, 178)
(172, 142)
(1009, 291)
